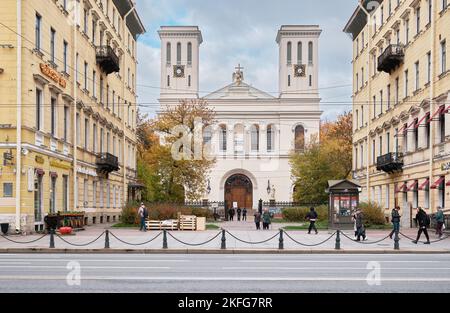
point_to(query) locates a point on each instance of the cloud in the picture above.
(244, 31)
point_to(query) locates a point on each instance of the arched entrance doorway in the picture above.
(239, 189)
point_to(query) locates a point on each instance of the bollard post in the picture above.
(106, 239)
(396, 241)
(223, 245)
(281, 241)
(165, 239)
(52, 238)
(338, 240)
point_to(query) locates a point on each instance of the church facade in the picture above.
(255, 131)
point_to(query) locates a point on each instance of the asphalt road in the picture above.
(251, 273)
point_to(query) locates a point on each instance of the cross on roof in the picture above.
(239, 67)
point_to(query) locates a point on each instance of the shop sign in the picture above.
(53, 75)
(60, 164)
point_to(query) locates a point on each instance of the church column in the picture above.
(262, 139)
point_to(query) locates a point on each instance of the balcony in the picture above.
(107, 163)
(390, 163)
(392, 57)
(107, 59)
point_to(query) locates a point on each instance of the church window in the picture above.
(299, 138)
(289, 80)
(289, 53)
(310, 52)
(207, 136)
(299, 52)
(255, 138)
(310, 80)
(223, 138)
(179, 53)
(168, 80)
(270, 138)
(169, 53)
(189, 53)
(189, 81)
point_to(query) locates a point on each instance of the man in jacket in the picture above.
(360, 226)
(244, 214)
(258, 220)
(239, 212)
(266, 219)
(423, 221)
(143, 214)
(439, 222)
(395, 216)
(312, 217)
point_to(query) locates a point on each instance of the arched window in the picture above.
(270, 138)
(299, 138)
(223, 138)
(169, 53)
(289, 53)
(179, 53)
(189, 53)
(299, 53)
(310, 52)
(255, 138)
(207, 135)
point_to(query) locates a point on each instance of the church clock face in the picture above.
(178, 71)
(300, 70)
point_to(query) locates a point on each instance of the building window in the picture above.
(102, 86)
(374, 106)
(373, 151)
(189, 81)
(427, 196)
(299, 138)
(78, 130)
(94, 84)
(223, 138)
(66, 123)
(381, 102)
(417, 80)
(405, 138)
(7, 190)
(427, 130)
(442, 125)
(77, 76)
(356, 119)
(415, 194)
(102, 140)
(53, 106)
(37, 31)
(357, 82)
(39, 111)
(38, 195)
(189, 53)
(169, 53)
(429, 66)
(362, 155)
(441, 193)
(356, 158)
(416, 134)
(362, 116)
(179, 53)
(107, 96)
(85, 76)
(380, 146)
(108, 142)
(444, 4)
(289, 53)
(381, 15)
(299, 53)
(85, 194)
(388, 142)
(310, 53)
(406, 31)
(430, 10)
(168, 80)
(388, 96)
(65, 57)
(86, 134)
(86, 19)
(270, 138)
(362, 77)
(406, 83)
(65, 193)
(289, 80)
(94, 138)
(94, 194)
(94, 31)
(53, 195)
(443, 57)
(417, 21)
(113, 101)
(255, 138)
(397, 90)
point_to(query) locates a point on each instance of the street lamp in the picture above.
(268, 187)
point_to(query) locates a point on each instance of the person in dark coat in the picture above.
(231, 214)
(424, 222)
(239, 212)
(312, 218)
(439, 222)
(266, 219)
(360, 226)
(258, 220)
(244, 214)
(395, 217)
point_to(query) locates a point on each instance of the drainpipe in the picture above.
(19, 115)
(432, 108)
(74, 120)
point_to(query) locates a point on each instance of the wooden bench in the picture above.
(162, 225)
(188, 222)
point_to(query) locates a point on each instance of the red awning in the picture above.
(422, 119)
(437, 183)
(440, 111)
(425, 185)
(448, 183)
(402, 188)
(413, 186)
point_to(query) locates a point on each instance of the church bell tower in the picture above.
(180, 61)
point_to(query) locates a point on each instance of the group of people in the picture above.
(232, 212)
(265, 218)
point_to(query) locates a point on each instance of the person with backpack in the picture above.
(312, 218)
(424, 222)
(439, 222)
(143, 215)
(266, 219)
(395, 216)
(361, 230)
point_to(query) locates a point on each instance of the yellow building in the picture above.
(68, 109)
(401, 77)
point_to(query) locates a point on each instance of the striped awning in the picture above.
(425, 185)
(438, 183)
(413, 186)
(402, 188)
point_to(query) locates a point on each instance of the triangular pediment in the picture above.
(238, 91)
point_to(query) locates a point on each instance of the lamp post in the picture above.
(269, 189)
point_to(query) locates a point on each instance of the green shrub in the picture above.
(299, 214)
(373, 213)
(129, 214)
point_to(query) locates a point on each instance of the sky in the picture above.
(244, 31)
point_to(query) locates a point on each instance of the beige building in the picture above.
(401, 77)
(68, 109)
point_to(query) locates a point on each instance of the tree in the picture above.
(329, 159)
(169, 162)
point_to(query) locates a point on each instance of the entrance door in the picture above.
(239, 189)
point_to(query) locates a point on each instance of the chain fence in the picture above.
(310, 245)
(194, 244)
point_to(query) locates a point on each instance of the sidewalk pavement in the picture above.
(76, 243)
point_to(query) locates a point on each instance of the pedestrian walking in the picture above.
(244, 214)
(395, 218)
(424, 222)
(361, 230)
(231, 214)
(258, 220)
(266, 219)
(354, 224)
(239, 212)
(439, 222)
(143, 214)
(312, 218)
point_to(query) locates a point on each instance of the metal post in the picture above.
(165, 239)
(396, 241)
(106, 239)
(338, 240)
(52, 238)
(223, 246)
(281, 241)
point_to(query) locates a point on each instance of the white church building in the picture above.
(255, 131)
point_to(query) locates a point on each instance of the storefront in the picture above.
(343, 201)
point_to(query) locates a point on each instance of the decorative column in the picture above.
(263, 139)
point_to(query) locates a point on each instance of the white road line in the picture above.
(88, 260)
(86, 267)
(334, 268)
(334, 261)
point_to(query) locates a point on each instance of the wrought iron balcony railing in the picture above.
(390, 163)
(107, 59)
(392, 57)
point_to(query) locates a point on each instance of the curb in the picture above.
(212, 251)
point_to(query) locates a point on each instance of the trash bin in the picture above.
(5, 228)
